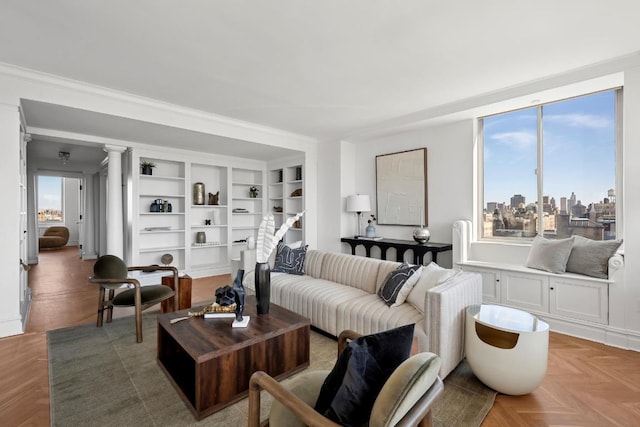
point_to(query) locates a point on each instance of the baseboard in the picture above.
(614, 337)
(9, 327)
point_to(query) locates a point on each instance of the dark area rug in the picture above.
(100, 376)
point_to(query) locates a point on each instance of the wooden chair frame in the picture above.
(107, 304)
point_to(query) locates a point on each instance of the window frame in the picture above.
(480, 202)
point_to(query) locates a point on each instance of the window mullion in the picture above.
(539, 175)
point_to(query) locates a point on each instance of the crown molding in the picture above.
(38, 77)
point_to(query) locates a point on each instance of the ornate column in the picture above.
(115, 227)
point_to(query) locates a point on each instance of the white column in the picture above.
(115, 228)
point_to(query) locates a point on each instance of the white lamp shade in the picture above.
(358, 203)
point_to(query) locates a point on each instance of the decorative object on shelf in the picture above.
(371, 229)
(216, 217)
(240, 210)
(207, 222)
(251, 242)
(297, 193)
(155, 207)
(277, 209)
(201, 237)
(401, 189)
(422, 234)
(298, 173)
(214, 199)
(253, 191)
(357, 204)
(166, 259)
(280, 175)
(198, 193)
(239, 294)
(265, 244)
(146, 167)
(297, 224)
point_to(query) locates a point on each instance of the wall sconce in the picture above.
(64, 156)
(359, 203)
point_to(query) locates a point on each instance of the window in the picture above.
(551, 170)
(50, 192)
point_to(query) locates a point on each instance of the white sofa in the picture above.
(338, 292)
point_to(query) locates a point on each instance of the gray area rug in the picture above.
(101, 377)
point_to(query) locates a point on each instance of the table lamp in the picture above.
(358, 203)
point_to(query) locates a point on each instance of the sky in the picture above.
(578, 151)
(49, 192)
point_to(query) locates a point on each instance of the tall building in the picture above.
(572, 202)
(516, 200)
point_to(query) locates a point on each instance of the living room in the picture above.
(339, 161)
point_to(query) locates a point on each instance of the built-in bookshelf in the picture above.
(286, 197)
(200, 233)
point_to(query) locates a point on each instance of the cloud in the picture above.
(590, 121)
(520, 140)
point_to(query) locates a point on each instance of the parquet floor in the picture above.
(587, 384)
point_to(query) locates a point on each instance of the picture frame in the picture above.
(401, 188)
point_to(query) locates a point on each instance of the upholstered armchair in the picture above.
(54, 237)
(405, 399)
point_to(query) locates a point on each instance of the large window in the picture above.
(50, 197)
(551, 170)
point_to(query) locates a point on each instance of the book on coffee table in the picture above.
(220, 315)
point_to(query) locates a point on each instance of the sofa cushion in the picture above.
(349, 391)
(398, 283)
(591, 257)
(289, 260)
(432, 275)
(316, 299)
(369, 315)
(355, 271)
(549, 254)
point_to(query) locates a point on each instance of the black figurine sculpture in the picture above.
(238, 290)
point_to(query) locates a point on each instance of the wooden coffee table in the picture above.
(210, 363)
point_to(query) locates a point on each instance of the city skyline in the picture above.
(578, 151)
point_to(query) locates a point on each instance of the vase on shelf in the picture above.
(201, 237)
(263, 286)
(198, 193)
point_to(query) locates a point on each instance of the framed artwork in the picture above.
(401, 188)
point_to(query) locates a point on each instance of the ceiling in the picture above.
(325, 69)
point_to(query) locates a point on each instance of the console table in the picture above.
(401, 246)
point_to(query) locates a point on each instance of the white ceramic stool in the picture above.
(506, 348)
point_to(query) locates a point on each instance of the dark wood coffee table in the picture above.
(210, 363)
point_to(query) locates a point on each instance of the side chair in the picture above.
(405, 399)
(111, 273)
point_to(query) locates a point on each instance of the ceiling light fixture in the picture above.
(64, 156)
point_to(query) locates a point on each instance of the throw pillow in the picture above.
(407, 287)
(394, 282)
(549, 255)
(350, 390)
(432, 275)
(591, 257)
(290, 260)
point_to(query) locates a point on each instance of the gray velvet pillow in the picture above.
(591, 257)
(549, 255)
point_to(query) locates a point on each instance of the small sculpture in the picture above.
(214, 199)
(238, 290)
(207, 222)
(251, 242)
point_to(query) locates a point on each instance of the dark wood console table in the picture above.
(401, 246)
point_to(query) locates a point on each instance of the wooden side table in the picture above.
(184, 292)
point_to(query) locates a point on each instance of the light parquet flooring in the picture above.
(587, 384)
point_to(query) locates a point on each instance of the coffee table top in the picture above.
(207, 338)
